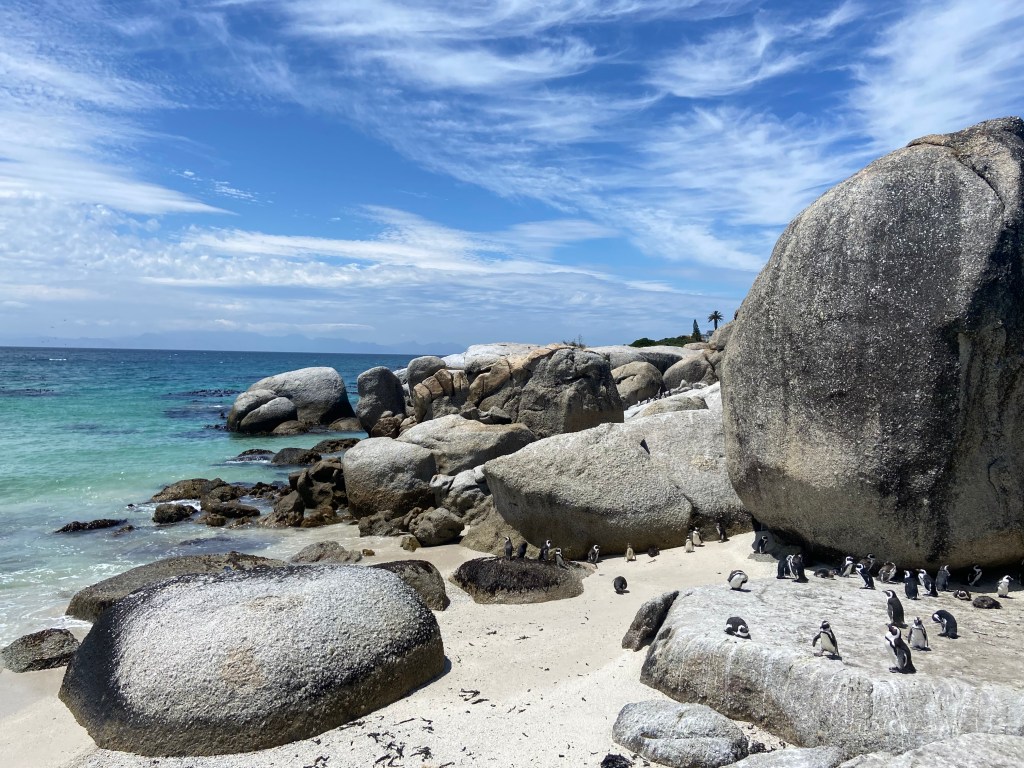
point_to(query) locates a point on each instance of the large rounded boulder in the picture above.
(216, 664)
(875, 392)
(381, 473)
(459, 444)
(311, 396)
(379, 391)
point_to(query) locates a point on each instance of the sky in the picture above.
(427, 174)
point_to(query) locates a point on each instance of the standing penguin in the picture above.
(1003, 589)
(870, 560)
(737, 627)
(829, 644)
(594, 554)
(508, 547)
(927, 584)
(696, 538)
(900, 651)
(736, 580)
(887, 573)
(521, 551)
(910, 584)
(688, 544)
(865, 573)
(974, 576)
(630, 554)
(942, 579)
(895, 608)
(797, 564)
(558, 558)
(545, 548)
(782, 569)
(945, 618)
(762, 544)
(918, 636)
(848, 566)
(720, 527)
(619, 583)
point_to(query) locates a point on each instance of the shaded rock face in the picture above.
(381, 473)
(89, 603)
(648, 621)
(695, 367)
(274, 656)
(854, 703)
(309, 395)
(423, 577)
(495, 580)
(380, 391)
(164, 514)
(875, 381)
(636, 381)
(683, 735)
(974, 750)
(40, 650)
(459, 444)
(295, 457)
(436, 527)
(613, 485)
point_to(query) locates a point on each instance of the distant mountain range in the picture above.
(238, 342)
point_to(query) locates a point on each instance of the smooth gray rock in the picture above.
(423, 577)
(973, 750)
(435, 527)
(853, 703)
(636, 381)
(692, 368)
(672, 404)
(40, 650)
(794, 757)
(381, 473)
(379, 391)
(459, 444)
(636, 483)
(515, 582)
(317, 395)
(422, 367)
(325, 552)
(679, 735)
(648, 621)
(874, 399)
(720, 338)
(89, 603)
(272, 656)
(619, 355)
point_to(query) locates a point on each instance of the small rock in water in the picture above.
(92, 525)
(295, 456)
(166, 514)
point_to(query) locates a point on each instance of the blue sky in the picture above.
(245, 172)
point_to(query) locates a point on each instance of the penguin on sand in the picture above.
(895, 608)
(797, 566)
(927, 584)
(688, 544)
(558, 559)
(594, 554)
(653, 551)
(508, 547)
(826, 573)
(630, 554)
(521, 551)
(865, 573)
(942, 579)
(962, 594)
(782, 569)
(887, 573)
(736, 580)
(696, 538)
(619, 584)
(948, 622)
(545, 548)
(848, 566)
(1003, 589)
(737, 627)
(917, 637)
(974, 577)
(762, 544)
(910, 584)
(829, 644)
(720, 527)
(900, 651)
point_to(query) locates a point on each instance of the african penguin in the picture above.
(942, 579)
(521, 551)
(782, 568)
(762, 544)
(630, 554)
(895, 608)
(619, 584)
(829, 644)
(736, 580)
(927, 583)
(848, 566)
(545, 548)
(695, 537)
(870, 560)
(826, 573)
(948, 622)
(737, 627)
(594, 554)
(720, 527)
(962, 594)
(900, 651)
(797, 564)
(918, 636)
(910, 584)
(688, 544)
(558, 558)
(508, 547)
(887, 573)
(974, 576)
(653, 551)
(865, 573)
(1003, 589)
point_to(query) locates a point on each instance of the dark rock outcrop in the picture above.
(495, 580)
(40, 650)
(423, 577)
(168, 513)
(90, 525)
(295, 457)
(875, 379)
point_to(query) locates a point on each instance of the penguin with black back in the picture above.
(797, 564)
(545, 548)
(619, 584)
(848, 566)
(521, 551)
(828, 641)
(508, 547)
(895, 608)
(558, 559)
(762, 544)
(737, 627)
(942, 579)
(594, 555)
(927, 583)
(948, 622)
(720, 528)
(974, 576)
(736, 580)
(900, 651)
(910, 584)
(865, 574)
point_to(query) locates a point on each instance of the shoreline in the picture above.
(554, 676)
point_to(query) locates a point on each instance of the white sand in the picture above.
(529, 685)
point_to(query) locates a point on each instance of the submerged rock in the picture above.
(40, 650)
(91, 525)
(165, 514)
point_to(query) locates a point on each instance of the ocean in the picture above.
(88, 432)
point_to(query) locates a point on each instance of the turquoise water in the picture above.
(84, 433)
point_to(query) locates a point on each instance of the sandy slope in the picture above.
(528, 685)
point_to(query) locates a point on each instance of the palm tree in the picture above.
(715, 317)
